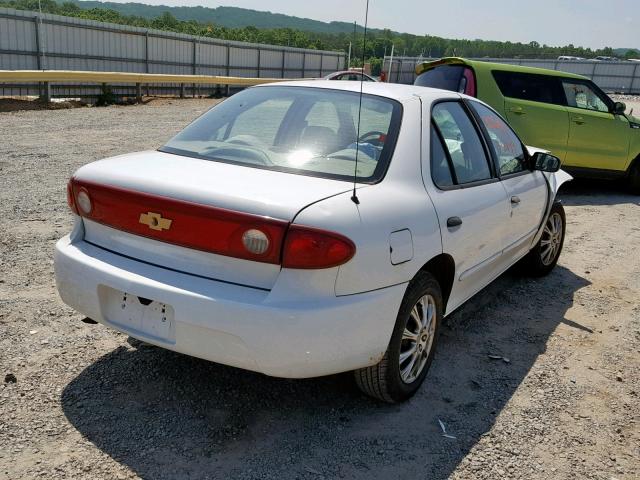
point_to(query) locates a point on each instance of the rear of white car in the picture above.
(207, 256)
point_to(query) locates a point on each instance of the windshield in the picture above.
(301, 130)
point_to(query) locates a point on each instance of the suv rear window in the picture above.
(310, 131)
(529, 86)
(457, 78)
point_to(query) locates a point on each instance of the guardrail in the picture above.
(47, 77)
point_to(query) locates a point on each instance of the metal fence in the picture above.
(33, 41)
(613, 77)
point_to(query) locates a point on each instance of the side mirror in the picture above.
(545, 162)
(619, 108)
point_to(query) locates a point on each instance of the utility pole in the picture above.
(390, 63)
(354, 41)
(349, 60)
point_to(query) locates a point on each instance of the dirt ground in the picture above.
(632, 102)
(79, 401)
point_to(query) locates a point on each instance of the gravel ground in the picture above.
(632, 102)
(81, 401)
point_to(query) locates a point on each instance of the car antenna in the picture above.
(354, 196)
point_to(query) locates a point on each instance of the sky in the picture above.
(588, 23)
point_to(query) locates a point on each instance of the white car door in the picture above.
(470, 201)
(526, 189)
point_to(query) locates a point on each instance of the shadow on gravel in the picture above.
(581, 191)
(166, 415)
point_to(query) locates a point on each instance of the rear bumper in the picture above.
(285, 336)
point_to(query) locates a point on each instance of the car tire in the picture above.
(634, 177)
(392, 380)
(542, 258)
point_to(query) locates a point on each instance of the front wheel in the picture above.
(543, 257)
(408, 357)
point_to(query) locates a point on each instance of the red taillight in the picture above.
(71, 200)
(306, 247)
(188, 224)
(207, 228)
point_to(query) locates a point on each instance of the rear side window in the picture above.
(457, 78)
(462, 143)
(527, 86)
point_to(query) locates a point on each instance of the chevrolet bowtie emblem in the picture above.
(155, 221)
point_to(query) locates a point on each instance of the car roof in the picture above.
(394, 91)
(346, 71)
(482, 65)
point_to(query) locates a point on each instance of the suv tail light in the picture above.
(470, 87)
(311, 248)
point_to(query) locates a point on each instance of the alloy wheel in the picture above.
(417, 339)
(551, 239)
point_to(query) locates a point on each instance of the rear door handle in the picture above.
(517, 110)
(515, 200)
(454, 222)
(579, 120)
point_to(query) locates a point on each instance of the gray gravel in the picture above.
(88, 403)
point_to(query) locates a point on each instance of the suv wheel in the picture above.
(405, 363)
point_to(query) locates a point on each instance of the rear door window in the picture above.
(527, 86)
(462, 142)
(457, 78)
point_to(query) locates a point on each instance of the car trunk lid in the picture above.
(189, 214)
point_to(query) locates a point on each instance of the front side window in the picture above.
(298, 130)
(581, 95)
(506, 144)
(528, 86)
(462, 142)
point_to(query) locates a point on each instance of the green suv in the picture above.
(567, 114)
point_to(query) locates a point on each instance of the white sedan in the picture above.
(299, 229)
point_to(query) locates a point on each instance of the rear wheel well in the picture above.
(443, 268)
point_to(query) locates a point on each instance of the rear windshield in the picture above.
(457, 78)
(302, 130)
